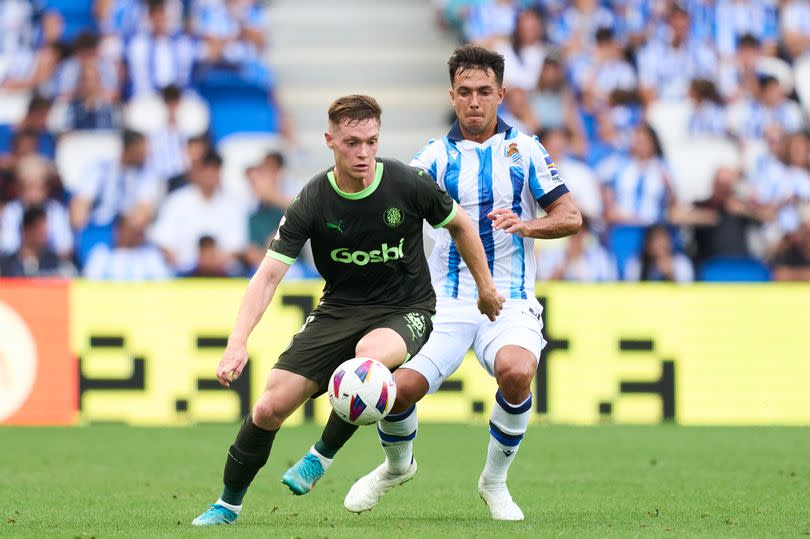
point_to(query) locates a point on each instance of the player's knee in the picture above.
(411, 387)
(515, 379)
(267, 414)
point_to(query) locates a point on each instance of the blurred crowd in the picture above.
(678, 125)
(154, 208)
(681, 127)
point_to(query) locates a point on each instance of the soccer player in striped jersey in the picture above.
(501, 178)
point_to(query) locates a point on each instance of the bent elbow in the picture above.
(575, 222)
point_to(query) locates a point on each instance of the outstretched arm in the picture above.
(562, 219)
(258, 296)
(469, 246)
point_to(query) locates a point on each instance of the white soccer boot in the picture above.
(369, 489)
(500, 503)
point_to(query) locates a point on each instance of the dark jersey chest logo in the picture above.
(393, 217)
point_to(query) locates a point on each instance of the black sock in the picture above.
(336, 433)
(248, 453)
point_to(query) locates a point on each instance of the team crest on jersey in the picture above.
(512, 152)
(393, 217)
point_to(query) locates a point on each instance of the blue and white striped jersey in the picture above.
(509, 170)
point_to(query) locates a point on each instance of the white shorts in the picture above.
(458, 326)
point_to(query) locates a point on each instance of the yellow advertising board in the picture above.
(700, 354)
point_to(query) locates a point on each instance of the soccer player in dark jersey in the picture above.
(364, 220)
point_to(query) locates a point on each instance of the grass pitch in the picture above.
(611, 481)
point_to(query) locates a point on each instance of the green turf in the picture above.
(106, 481)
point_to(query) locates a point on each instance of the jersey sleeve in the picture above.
(293, 232)
(432, 159)
(545, 181)
(432, 202)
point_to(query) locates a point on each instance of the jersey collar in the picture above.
(360, 194)
(455, 131)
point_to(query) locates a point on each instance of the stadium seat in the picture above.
(802, 77)
(77, 149)
(236, 106)
(78, 16)
(625, 242)
(670, 121)
(148, 114)
(734, 269)
(13, 106)
(693, 163)
(239, 151)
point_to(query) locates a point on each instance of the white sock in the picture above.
(325, 462)
(397, 432)
(234, 508)
(507, 424)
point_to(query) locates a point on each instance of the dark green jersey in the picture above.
(367, 245)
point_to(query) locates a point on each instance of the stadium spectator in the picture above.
(91, 108)
(196, 149)
(35, 69)
(771, 107)
(266, 182)
(574, 30)
(550, 105)
(579, 178)
(25, 143)
(196, 210)
(34, 257)
(736, 18)
(35, 123)
(524, 53)
(129, 259)
(86, 52)
(167, 145)
(490, 23)
(792, 262)
(581, 258)
(233, 31)
(112, 188)
(32, 175)
(16, 30)
(211, 260)
(666, 66)
(158, 58)
(722, 223)
(795, 26)
(636, 188)
(708, 115)
(738, 77)
(596, 74)
(659, 261)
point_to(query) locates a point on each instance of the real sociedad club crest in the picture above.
(512, 152)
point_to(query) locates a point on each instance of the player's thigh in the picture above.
(454, 328)
(519, 327)
(284, 392)
(327, 339)
(396, 337)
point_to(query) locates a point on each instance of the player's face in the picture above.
(355, 147)
(476, 95)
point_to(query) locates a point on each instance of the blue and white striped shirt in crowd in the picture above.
(509, 170)
(156, 62)
(756, 117)
(594, 264)
(775, 183)
(221, 21)
(167, 153)
(144, 263)
(573, 22)
(70, 72)
(708, 118)
(669, 70)
(735, 18)
(114, 190)
(641, 190)
(16, 32)
(60, 236)
(603, 77)
(795, 17)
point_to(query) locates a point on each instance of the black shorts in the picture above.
(330, 334)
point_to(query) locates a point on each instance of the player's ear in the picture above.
(501, 94)
(330, 141)
(452, 94)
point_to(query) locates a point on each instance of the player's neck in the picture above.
(348, 184)
(481, 137)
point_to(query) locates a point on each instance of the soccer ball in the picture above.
(362, 391)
